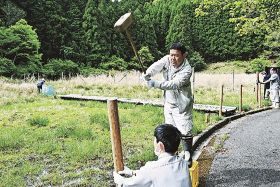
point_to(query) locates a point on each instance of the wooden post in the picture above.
(193, 80)
(233, 80)
(257, 87)
(207, 117)
(115, 134)
(260, 95)
(240, 101)
(221, 101)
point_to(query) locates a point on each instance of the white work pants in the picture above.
(183, 121)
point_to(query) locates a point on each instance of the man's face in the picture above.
(176, 57)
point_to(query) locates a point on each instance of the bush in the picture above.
(7, 67)
(38, 121)
(257, 65)
(55, 67)
(197, 61)
(88, 71)
(115, 63)
(20, 44)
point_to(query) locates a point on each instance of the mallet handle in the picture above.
(134, 49)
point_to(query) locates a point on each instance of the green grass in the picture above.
(52, 142)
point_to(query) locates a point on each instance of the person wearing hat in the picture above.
(40, 85)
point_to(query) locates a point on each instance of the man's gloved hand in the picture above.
(150, 83)
(126, 171)
(118, 179)
(146, 77)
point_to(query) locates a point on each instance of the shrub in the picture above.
(87, 71)
(55, 67)
(7, 67)
(246, 108)
(197, 61)
(38, 121)
(115, 63)
(257, 65)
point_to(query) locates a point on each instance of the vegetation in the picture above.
(46, 141)
(81, 32)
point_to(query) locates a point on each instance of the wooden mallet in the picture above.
(122, 25)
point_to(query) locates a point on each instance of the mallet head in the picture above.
(124, 22)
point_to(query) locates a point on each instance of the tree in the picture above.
(251, 16)
(55, 67)
(20, 44)
(10, 13)
(7, 67)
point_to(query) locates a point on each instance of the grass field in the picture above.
(52, 142)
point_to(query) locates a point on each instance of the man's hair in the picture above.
(179, 46)
(169, 135)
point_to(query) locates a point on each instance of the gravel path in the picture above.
(251, 154)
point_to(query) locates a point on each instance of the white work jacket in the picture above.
(167, 171)
(179, 81)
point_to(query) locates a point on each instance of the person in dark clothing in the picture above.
(40, 85)
(266, 76)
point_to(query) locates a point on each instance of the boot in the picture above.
(187, 141)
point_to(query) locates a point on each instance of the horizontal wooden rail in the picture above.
(227, 110)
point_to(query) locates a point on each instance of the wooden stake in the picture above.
(233, 80)
(257, 87)
(193, 81)
(240, 101)
(207, 117)
(260, 96)
(115, 134)
(221, 101)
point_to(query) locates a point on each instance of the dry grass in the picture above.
(133, 78)
(123, 79)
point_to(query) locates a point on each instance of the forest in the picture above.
(51, 37)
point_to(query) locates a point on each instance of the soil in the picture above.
(207, 156)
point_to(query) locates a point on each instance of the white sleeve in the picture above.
(182, 78)
(141, 179)
(157, 66)
(273, 77)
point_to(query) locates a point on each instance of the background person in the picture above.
(169, 170)
(266, 76)
(40, 85)
(274, 87)
(178, 99)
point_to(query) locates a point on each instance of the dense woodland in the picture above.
(54, 36)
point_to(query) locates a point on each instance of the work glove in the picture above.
(126, 171)
(150, 83)
(118, 179)
(146, 77)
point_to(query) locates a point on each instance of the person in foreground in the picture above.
(169, 170)
(178, 99)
